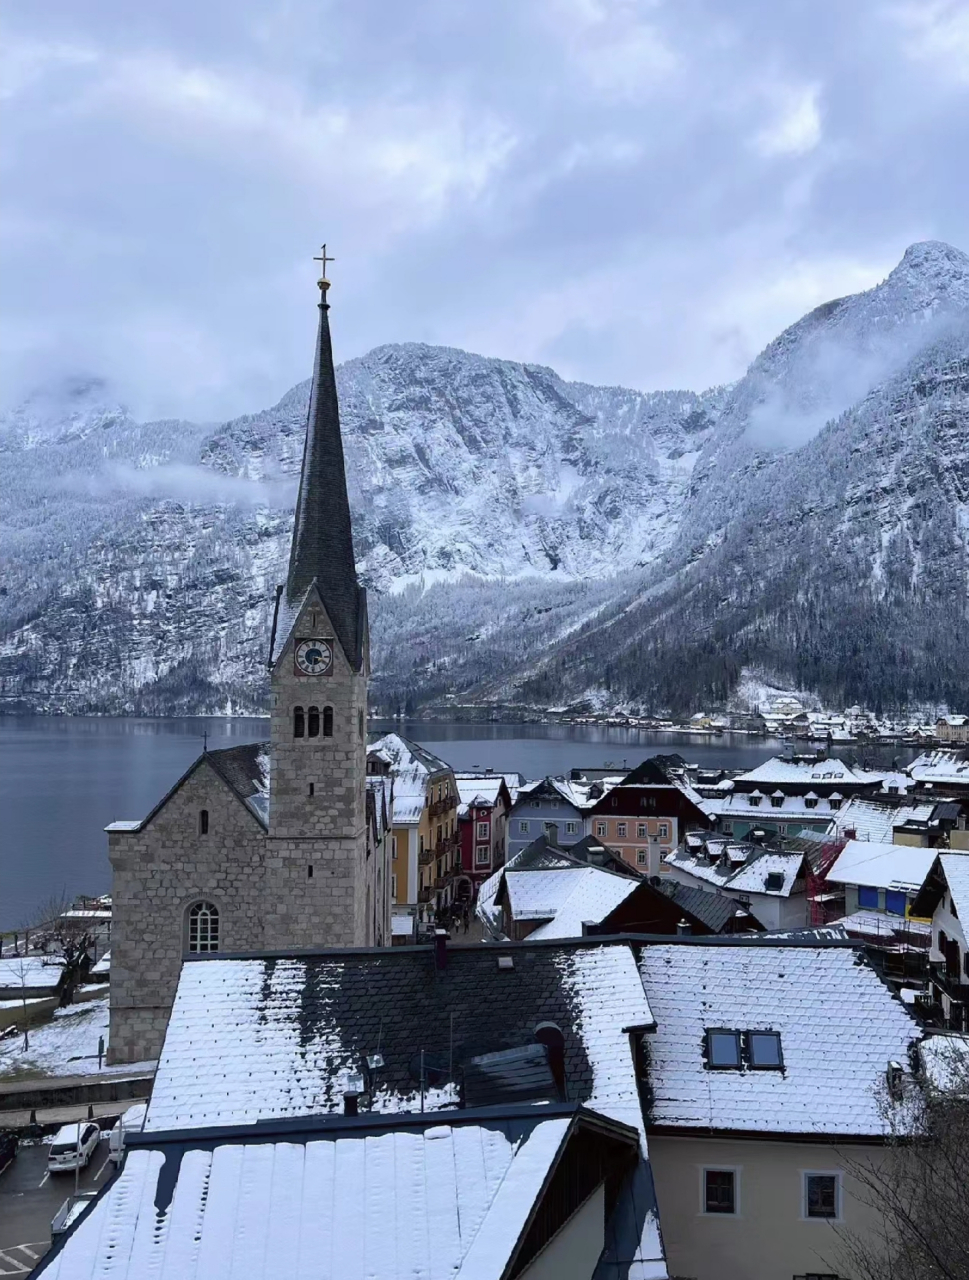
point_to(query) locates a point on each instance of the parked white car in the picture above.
(72, 1146)
(133, 1121)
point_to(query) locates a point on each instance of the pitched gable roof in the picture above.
(838, 1024)
(243, 769)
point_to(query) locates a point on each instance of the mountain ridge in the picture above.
(525, 537)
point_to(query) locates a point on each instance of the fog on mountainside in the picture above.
(526, 539)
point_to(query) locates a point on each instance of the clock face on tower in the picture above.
(314, 657)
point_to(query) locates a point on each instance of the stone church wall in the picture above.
(159, 872)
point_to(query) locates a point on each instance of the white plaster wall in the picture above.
(769, 1238)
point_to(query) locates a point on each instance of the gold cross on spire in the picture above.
(323, 260)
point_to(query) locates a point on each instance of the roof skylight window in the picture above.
(728, 1050)
(723, 1049)
(764, 1050)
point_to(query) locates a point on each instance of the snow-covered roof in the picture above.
(792, 808)
(572, 791)
(565, 898)
(405, 755)
(408, 808)
(431, 1202)
(839, 1028)
(955, 867)
(939, 767)
(747, 869)
(782, 868)
(778, 770)
(882, 866)
(945, 1059)
(471, 787)
(103, 965)
(875, 819)
(884, 925)
(30, 971)
(259, 1039)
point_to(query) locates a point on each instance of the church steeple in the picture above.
(322, 549)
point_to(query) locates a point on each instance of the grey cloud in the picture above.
(607, 187)
(181, 482)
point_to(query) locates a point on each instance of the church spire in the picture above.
(322, 539)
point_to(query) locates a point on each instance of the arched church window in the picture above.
(360, 723)
(327, 722)
(203, 928)
(203, 822)
(313, 722)
(299, 722)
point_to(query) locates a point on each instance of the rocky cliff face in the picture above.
(525, 538)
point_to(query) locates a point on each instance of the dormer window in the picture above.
(834, 800)
(777, 799)
(810, 801)
(775, 881)
(755, 798)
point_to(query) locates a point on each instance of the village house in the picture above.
(572, 1109)
(561, 902)
(426, 851)
(762, 1086)
(952, 728)
(664, 907)
(944, 899)
(552, 802)
(484, 805)
(269, 844)
(768, 881)
(942, 773)
(544, 854)
(646, 815)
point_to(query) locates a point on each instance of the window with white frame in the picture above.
(482, 831)
(600, 829)
(523, 827)
(571, 828)
(482, 855)
(393, 887)
(822, 1195)
(664, 831)
(642, 857)
(203, 928)
(642, 831)
(621, 830)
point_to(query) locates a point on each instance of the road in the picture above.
(29, 1198)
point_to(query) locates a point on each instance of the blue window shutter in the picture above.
(867, 897)
(895, 902)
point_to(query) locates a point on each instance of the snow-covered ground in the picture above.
(65, 1046)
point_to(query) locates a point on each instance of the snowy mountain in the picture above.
(525, 538)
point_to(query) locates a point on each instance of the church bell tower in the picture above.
(319, 664)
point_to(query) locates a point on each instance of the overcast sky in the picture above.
(633, 193)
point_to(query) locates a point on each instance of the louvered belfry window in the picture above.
(203, 928)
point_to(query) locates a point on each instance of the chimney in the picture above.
(552, 833)
(352, 1090)
(683, 929)
(440, 948)
(588, 927)
(850, 833)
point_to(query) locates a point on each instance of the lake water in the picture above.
(63, 779)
